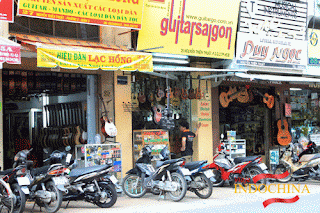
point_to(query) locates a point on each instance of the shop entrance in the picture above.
(42, 110)
(246, 116)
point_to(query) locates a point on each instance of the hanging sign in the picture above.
(6, 10)
(196, 28)
(9, 51)
(120, 13)
(313, 47)
(91, 59)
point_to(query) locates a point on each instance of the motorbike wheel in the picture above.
(280, 169)
(53, 205)
(206, 191)
(218, 180)
(182, 187)
(20, 198)
(253, 171)
(132, 186)
(7, 199)
(110, 195)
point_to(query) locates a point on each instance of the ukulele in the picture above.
(198, 91)
(267, 99)
(134, 100)
(192, 94)
(108, 128)
(284, 136)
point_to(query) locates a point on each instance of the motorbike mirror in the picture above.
(68, 148)
(45, 150)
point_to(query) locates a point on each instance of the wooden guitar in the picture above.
(184, 93)
(160, 93)
(192, 94)
(198, 91)
(226, 97)
(267, 99)
(207, 95)
(243, 96)
(157, 113)
(108, 128)
(284, 136)
(134, 99)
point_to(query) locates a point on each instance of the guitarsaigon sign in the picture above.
(272, 33)
(189, 27)
(91, 59)
(120, 13)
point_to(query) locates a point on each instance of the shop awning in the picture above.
(73, 54)
(276, 78)
(9, 51)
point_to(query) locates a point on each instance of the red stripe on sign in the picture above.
(264, 176)
(280, 200)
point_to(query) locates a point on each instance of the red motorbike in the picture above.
(239, 170)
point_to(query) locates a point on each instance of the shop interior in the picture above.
(27, 94)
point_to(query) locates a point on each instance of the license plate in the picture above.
(25, 190)
(208, 173)
(113, 179)
(263, 166)
(185, 171)
(60, 180)
(23, 181)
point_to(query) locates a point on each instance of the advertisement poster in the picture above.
(9, 51)
(189, 27)
(313, 47)
(86, 58)
(124, 13)
(6, 10)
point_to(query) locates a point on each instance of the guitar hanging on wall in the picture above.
(226, 97)
(108, 128)
(267, 99)
(284, 136)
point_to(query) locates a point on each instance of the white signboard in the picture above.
(272, 33)
(270, 51)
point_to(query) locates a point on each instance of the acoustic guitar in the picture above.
(284, 136)
(198, 91)
(267, 99)
(157, 113)
(184, 93)
(192, 94)
(243, 96)
(108, 128)
(226, 97)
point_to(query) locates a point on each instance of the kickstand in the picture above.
(34, 206)
(161, 196)
(67, 204)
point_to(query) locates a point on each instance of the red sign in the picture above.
(6, 10)
(9, 51)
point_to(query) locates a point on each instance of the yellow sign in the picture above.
(314, 47)
(91, 59)
(198, 28)
(120, 13)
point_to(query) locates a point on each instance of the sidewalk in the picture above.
(222, 198)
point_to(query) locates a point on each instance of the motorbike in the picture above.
(196, 174)
(241, 169)
(43, 185)
(166, 178)
(92, 184)
(302, 166)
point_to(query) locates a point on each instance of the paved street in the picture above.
(223, 199)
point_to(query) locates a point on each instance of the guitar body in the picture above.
(224, 100)
(77, 135)
(243, 96)
(184, 94)
(157, 113)
(198, 93)
(268, 100)
(284, 136)
(110, 129)
(192, 94)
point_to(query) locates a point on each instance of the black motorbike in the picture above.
(166, 178)
(43, 185)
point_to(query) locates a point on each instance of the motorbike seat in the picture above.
(195, 164)
(160, 163)
(245, 159)
(40, 170)
(87, 170)
(5, 172)
(306, 158)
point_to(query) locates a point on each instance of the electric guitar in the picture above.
(108, 128)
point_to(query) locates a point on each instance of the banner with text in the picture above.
(313, 47)
(120, 13)
(6, 10)
(270, 51)
(196, 28)
(9, 51)
(91, 59)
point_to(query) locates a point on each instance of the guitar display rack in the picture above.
(64, 125)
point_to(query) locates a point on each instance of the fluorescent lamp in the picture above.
(173, 61)
(295, 89)
(170, 55)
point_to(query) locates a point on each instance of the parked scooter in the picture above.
(241, 169)
(42, 185)
(302, 166)
(166, 178)
(196, 174)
